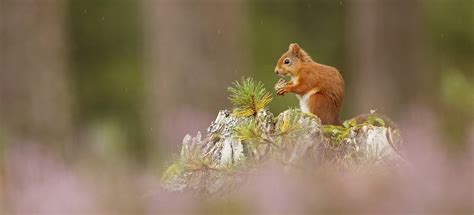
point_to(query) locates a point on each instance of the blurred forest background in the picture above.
(118, 83)
(114, 85)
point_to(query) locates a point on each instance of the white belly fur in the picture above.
(304, 99)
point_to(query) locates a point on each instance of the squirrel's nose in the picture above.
(276, 71)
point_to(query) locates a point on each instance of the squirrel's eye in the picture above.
(287, 61)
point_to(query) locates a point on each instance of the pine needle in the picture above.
(248, 132)
(248, 97)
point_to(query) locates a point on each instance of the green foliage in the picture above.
(248, 97)
(251, 134)
(372, 119)
(336, 133)
(339, 133)
(248, 132)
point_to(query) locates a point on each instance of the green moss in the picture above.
(338, 134)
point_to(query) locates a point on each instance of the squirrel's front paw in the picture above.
(282, 91)
(280, 87)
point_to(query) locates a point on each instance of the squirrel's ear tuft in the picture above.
(295, 49)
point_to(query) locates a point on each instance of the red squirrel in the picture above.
(319, 88)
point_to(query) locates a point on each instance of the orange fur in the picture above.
(324, 84)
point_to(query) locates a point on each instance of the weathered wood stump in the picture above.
(234, 147)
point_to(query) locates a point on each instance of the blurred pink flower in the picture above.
(39, 183)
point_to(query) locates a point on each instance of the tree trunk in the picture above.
(35, 100)
(194, 52)
(385, 48)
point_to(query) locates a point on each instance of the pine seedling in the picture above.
(248, 97)
(248, 132)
